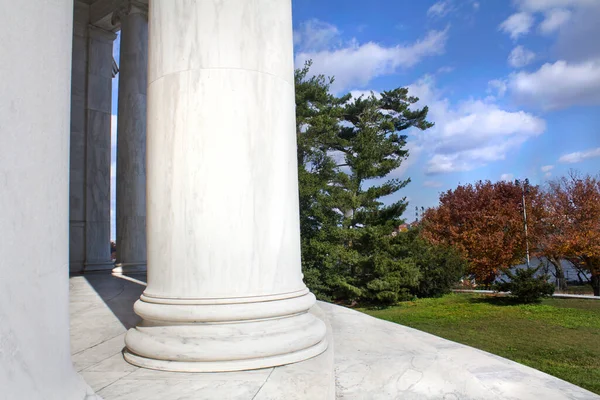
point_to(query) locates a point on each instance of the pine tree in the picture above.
(317, 117)
(347, 149)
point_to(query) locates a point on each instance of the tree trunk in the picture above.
(596, 283)
(592, 264)
(559, 273)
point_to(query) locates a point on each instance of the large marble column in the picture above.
(35, 360)
(225, 288)
(131, 137)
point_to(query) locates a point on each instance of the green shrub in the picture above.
(441, 268)
(525, 287)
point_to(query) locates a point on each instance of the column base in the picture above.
(225, 366)
(226, 336)
(129, 268)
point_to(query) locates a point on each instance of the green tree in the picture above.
(441, 266)
(347, 148)
(525, 286)
(318, 113)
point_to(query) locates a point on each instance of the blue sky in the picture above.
(512, 86)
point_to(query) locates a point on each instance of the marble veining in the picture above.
(254, 35)
(377, 359)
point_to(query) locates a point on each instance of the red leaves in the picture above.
(572, 220)
(485, 223)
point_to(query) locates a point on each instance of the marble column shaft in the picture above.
(35, 358)
(131, 138)
(98, 122)
(77, 176)
(89, 186)
(225, 288)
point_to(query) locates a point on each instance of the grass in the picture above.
(557, 336)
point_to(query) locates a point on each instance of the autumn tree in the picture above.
(572, 224)
(484, 222)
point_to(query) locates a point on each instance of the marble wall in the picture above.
(35, 67)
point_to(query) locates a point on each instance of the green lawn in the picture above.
(559, 336)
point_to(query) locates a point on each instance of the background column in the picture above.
(225, 288)
(97, 159)
(77, 196)
(89, 187)
(35, 71)
(131, 138)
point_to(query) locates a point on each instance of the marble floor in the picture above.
(101, 307)
(368, 359)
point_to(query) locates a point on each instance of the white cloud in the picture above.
(433, 184)
(547, 168)
(113, 146)
(445, 70)
(472, 133)
(520, 57)
(113, 129)
(498, 85)
(578, 38)
(355, 94)
(316, 35)
(439, 9)
(355, 65)
(574, 21)
(579, 156)
(113, 173)
(414, 154)
(507, 177)
(517, 24)
(476, 5)
(558, 85)
(554, 19)
(544, 5)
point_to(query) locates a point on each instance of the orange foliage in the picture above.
(485, 223)
(572, 222)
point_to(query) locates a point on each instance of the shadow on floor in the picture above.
(119, 293)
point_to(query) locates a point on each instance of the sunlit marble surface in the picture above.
(101, 308)
(376, 359)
